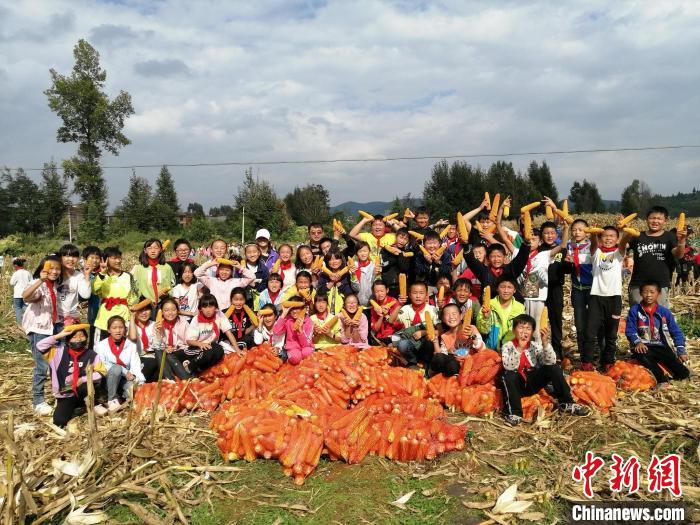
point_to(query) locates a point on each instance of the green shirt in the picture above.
(142, 278)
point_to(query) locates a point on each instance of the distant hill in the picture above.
(686, 202)
(352, 207)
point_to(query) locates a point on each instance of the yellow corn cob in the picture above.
(229, 311)
(390, 216)
(226, 262)
(76, 327)
(276, 266)
(494, 206)
(527, 226)
(429, 327)
(407, 212)
(159, 316)
(358, 314)
(462, 228)
(568, 218)
(478, 226)
(338, 226)
(331, 322)
(305, 294)
(143, 304)
(343, 271)
(681, 222)
(444, 231)
(440, 250)
(487, 296)
(47, 266)
(626, 220)
(492, 228)
(594, 229)
(458, 258)
(565, 206)
(366, 215)
(544, 318)
(403, 290)
(530, 207)
(441, 293)
(251, 315)
(299, 322)
(487, 198)
(426, 253)
(166, 243)
(416, 235)
(548, 213)
(632, 231)
(265, 311)
(318, 262)
(292, 304)
(375, 305)
(351, 261)
(506, 209)
(407, 254)
(467, 319)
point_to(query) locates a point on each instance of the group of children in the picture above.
(404, 283)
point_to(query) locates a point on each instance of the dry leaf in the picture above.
(401, 502)
(507, 504)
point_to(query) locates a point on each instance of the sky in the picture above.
(219, 81)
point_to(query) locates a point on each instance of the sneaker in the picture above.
(100, 410)
(186, 366)
(43, 409)
(513, 420)
(114, 406)
(575, 409)
(662, 386)
(606, 367)
(587, 367)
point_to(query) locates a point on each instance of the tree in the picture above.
(586, 197)
(309, 204)
(502, 178)
(135, 208)
(399, 204)
(165, 207)
(54, 196)
(452, 188)
(636, 198)
(94, 122)
(195, 209)
(20, 206)
(541, 179)
(263, 209)
(221, 211)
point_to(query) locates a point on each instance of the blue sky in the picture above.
(274, 80)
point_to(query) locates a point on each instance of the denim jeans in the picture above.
(117, 383)
(19, 305)
(41, 369)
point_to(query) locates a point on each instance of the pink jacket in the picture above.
(304, 337)
(222, 289)
(358, 337)
(38, 315)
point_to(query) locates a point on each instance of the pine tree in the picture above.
(135, 208)
(541, 179)
(165, 207)
(54, 196)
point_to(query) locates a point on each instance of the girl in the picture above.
(354, 326)
(263, 333)
(142, 331)
(204, 335)
(170, 336)
(121, 359)
(187, 291)
(382, 328)
(153, 277)
(286, 267)
(302, 287)
(68, 362)
(40, 321)
(362, 273)
(255, 265)
(242, 325)
(73, 284)
(217, 250)
(221, 285)
(454, 342)
(268, 255)
(323, 336)
(305, 260)
(298, 343)
(336, 286)
(273, 294)
(115, 289)
(182, 249)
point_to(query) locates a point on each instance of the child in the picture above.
(454, 342)
(121, 359)
(182, 249)
(142, 331)
(394, 262)
(204, 336)
(421, 218)
(463, 297)
(489, 275)
(153, 277)
(221, 285)
(496, 318)
(381, 327)
(354, 325)
(263, 332)
(72, 286)
(19, 281)
(411, 341)
(287, 270)
(187, 292)
(428, 269)
(331, 283)
(464, 272)
(115, 289)
(240, 322)
(255, 265)
(92, 257)
(323, 336)
(362, 273)
(529, 366)
(298, 340)
(217, 250)
(304, 259)
(268, 255)
(605, 303)
(325, 245)
(273, 293)
(68, 362)
(302, 287)
(40, 320)
(444, 282)
(655, 337)
(170, 335)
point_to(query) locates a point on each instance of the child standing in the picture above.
(182, 249)
(273, 293)
(73, 285)
(115, 289)
(412, 341)
(257, 266)
(354, 325)
(362, 273)
(297, 329)
(152, 276)
(495, 319)
(224, 282)
(489, 274)
(435, 263)
(286, 267)
(655, 337)
(187, 292)
(19, 281)
(332, 283)
(528, 367)
(395, 261)
(268, 255)
(454, 342)
(324, 336)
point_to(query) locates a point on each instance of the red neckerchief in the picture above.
(449, 242)
(650, 311)
(188, 260)
(144, 337)
(325, 314)
(361, 265)
(211, 320)
(274, 296)
(496, 271)
(169, 326)
(153, 263)
(416, 314)
(111, 302)
(238, 322)
(577, 261)
(530, 257)
(608, 250)
(52, 293)
(284, 266)
(74, 354)
(116, 351)
(524, 360)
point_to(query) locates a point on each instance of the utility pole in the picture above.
(243, 226)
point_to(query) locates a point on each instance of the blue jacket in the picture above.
(666, 330)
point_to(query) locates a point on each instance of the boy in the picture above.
(605, 303)
(462, 271)
(395, 262)
(380, 326)
(411, 341)
(428, 269)
(497, 269)
(529, 366)
(462, 296)
(655, 337)
(654, 253)
(495, 320)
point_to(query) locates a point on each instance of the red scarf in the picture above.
(416, 314)
(449, 242)
(325, 314)
(116, 351)
(238, 322)
(74, 354)
(650, 311)
(284, 266)
(530, 257)
(52, 293)
(577, 261)
(274, 296)
(144, 337)
(188, 260)
(524, 361)
(169, 327)
(608, 250)
(211, 320)
(361, 265)
(111, 302)
(153, 263)
(496, 271)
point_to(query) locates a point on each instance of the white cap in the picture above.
(263, 233)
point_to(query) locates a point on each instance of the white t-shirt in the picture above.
(187, 298)
(129, 356)
(534, 284)
(20, 279)
(607, 273)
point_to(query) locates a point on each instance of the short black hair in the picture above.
(379, 282)
(19, 262)
(238, 290)
(418, 283)
(548, 224)
(361, 244)
(445, 275)
(655, 284)
(658, 209)
(303, 273)
(178, 242)
(91, 250)
(68, 250)
(314, 225)
(274, 276)
(495, 247)
(462, 282)
(610, 227)
(431, 236)
(321, 296)
(208, 300)
(524, 319)
(580, 221)
(325, 239)
(402, 231)
(113, 320)
(506, 279)
(111, 251)
(421, 210)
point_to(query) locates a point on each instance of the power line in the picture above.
(393, 159)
